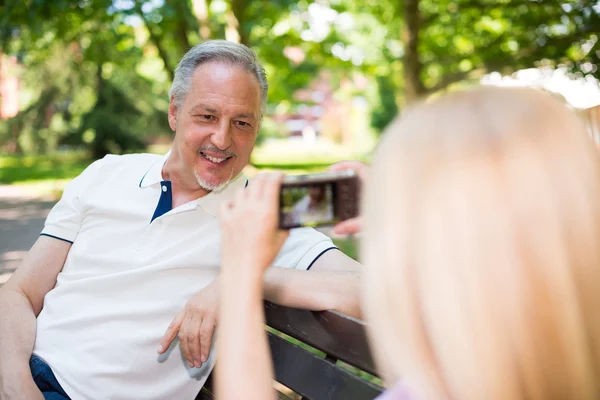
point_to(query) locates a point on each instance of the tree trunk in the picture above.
(201, 12)
(156, 42)
(97, 145)
(99, 79)
(236, 19)
(182, 25)
(411, 26)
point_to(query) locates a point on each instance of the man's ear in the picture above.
(173, 114)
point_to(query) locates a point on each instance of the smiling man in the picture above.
(118, 297)
(216, 120)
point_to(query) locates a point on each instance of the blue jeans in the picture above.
(45, 380)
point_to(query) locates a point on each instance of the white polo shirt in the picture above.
(125, 278)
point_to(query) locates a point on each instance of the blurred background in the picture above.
(80, 79)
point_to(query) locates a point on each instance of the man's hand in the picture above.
(194, 325)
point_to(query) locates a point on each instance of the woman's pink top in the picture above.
(397, 392)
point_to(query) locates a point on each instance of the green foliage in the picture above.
(78, 60)
(348, 246)
(70, 50)
(387, 109)
(462, 39)
(111, 126)
(268, 130)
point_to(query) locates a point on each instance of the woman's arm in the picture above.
(251, 240)
(244, 367)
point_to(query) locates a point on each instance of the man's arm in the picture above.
(333, 283)
(21, 300)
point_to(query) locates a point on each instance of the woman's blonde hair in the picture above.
(482, 249)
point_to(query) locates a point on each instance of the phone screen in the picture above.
(309, 205)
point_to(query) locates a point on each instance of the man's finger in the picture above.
(206, 334)
(184, 333)
(171, 333)
(193, 341)
(183, 343)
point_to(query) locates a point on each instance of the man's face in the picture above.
(316, 193)
(216, 124)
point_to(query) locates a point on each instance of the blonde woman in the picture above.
(481, 249)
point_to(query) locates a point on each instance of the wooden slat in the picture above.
(206, 394)
(282, 396)
(315, 378)
(335, 334)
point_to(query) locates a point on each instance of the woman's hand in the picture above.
(352, 225)
(250, 227)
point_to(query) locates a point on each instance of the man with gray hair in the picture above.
(118, 297)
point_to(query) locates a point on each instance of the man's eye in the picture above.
(206, 117)
(243, 124)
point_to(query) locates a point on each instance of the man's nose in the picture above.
(221, 137)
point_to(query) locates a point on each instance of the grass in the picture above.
(297, 155)
(348, 246)
(354, 370)
(31, 169)
(292, 156)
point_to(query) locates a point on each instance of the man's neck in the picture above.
(184, 188)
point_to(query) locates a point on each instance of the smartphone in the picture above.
(318, 199)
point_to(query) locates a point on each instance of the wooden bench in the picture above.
(316, 376)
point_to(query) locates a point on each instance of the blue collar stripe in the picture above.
(165, 203)
(142, 180)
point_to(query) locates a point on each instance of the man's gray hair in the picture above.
(230, 53)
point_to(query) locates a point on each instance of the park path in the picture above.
(22, 216)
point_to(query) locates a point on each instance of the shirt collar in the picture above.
(211, 202)
(154, 173)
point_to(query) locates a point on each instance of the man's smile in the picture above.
(215, 159)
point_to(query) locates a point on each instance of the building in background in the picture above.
(9, 87)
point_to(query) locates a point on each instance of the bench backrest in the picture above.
(318, 376)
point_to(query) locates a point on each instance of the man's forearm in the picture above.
(314, 290)
(17, 337)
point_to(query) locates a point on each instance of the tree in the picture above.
(72, 51)
(75, 57)
(448, 41)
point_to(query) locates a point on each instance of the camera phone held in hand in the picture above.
(318, 199)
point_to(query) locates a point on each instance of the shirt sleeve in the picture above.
(65, 218)
(302, 248)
